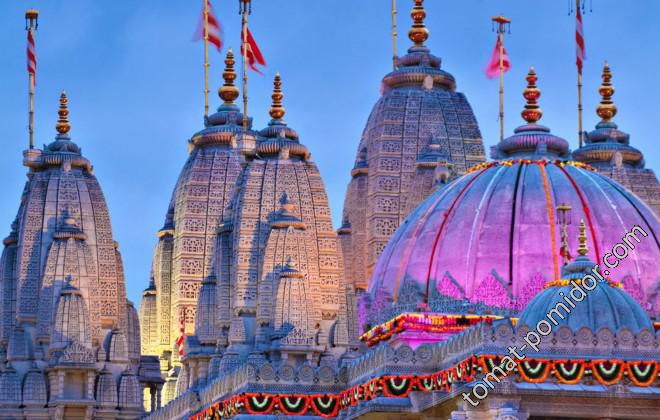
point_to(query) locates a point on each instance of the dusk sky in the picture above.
(135, 83)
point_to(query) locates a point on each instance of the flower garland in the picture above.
(606, 372)
(560, 283)
(423, 322)
(544, 162)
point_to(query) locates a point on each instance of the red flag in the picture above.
(31, 57)
(493, 66)
(215, 29)
(579, 42)
(182, 335)
(254, 55)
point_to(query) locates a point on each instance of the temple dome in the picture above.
(606, 306)
(489, 239)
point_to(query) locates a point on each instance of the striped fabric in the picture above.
(31, 56)
(214, 28)
(182, 335)
(579, 41)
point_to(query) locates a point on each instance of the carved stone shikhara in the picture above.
(65, 317)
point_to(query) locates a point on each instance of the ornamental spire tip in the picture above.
(606, 109)
(63, 125)
(532, 112)
(277, 111)
(228, 92)
(418, 33)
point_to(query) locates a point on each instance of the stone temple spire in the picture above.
(418, 105)
(418, 33)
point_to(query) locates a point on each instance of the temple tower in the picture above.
(420, 132)
(184, 252)
(278, 295)
(65, 318)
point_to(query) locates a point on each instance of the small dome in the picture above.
(71, 319)
(34, 388)
(117, 347)
(106, 389)
(10, 387)
(606, 306)
(130, 391)
(294, 324)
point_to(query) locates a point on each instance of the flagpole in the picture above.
(579, 88)
(394, 35)
(31, 16)
(206, 58)
(245, 74)
(501, 22)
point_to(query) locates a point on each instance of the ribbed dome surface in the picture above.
(492, 236)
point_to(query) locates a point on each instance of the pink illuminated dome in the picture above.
(489, 241)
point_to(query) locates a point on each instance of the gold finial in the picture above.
(532, 112)
(582, 239)
(606, 109)
(277, 111)
(228, 92)
(63, 125)
(418, 33)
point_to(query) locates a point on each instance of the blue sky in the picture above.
(135, 82)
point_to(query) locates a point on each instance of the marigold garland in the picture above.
(565, 371)
(544, 162)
